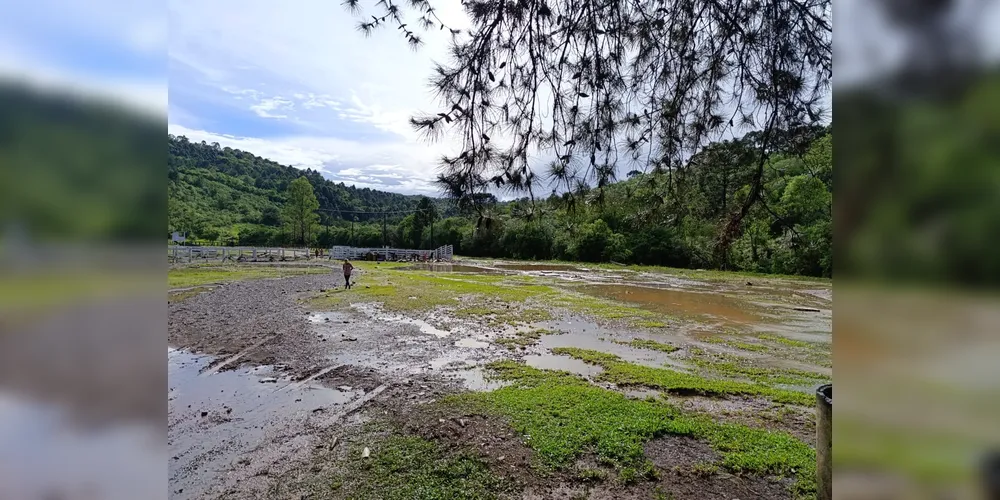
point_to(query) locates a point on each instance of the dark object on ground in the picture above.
(824, 442)
(991, 475)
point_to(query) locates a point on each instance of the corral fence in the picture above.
(176, 253)
(445, 253)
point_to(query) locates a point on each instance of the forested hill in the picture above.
(670, 217)
(212, 188)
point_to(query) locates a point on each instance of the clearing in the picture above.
(488, 379)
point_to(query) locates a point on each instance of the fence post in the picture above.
(824, 441)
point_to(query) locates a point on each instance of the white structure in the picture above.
(241, 254)
(178, 237)
(446, 252)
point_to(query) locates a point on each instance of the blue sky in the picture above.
(296, 83)
(292, 81)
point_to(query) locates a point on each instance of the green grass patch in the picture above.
(736, 344)
(933, 456)
(605, 309)
(525, 338)
(407, 468)
(561, 417)
(182, 277)
(36, 292)
(623, 373)
(731, 366)
(186, 294)
(472, 296)
(705, 469)
(650, 324)
(787, 341)
(648, 344)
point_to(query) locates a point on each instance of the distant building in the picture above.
(178, 237)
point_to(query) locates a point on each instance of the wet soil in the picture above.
(442, 267)
(267, 396)
(673, 301)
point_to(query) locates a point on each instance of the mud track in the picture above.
(267, 398)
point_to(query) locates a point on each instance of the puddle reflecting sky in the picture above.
(42, 455)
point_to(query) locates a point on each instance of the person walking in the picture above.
(347, 274)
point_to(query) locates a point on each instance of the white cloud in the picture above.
(265, 106)
(294, 60)
(339, 159)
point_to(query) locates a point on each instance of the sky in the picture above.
(292, 81)
(295, 82)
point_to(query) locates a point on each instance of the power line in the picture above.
(380, 212)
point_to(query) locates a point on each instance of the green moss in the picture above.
(182, 277)
(406, 467)
(561, 417)
(628, 374)
(649, 344)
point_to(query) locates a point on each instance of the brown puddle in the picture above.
(677, 302)
(539, 267)
(442, 267)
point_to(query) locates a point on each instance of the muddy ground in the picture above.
(278, 385)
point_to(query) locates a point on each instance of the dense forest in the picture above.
(668, 218)
(230, 196)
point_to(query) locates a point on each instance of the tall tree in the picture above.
(595, 84)
(300, 210)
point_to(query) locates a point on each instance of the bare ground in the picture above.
(286, 394)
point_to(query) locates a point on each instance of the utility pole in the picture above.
(385, 239)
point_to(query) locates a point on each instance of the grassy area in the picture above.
(182, 277)
(787, 341)
(628, 374)
(727, 365)
(525, 338)
(688, 273)
(186, 294)
(563, 417)
(36, 292)
(648, 344)
(736, 344)
(606, 309)
(407, 467)
(497, 299)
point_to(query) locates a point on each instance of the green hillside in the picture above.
(227, 195)
(670, 217)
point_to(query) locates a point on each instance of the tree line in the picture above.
(670, 217)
